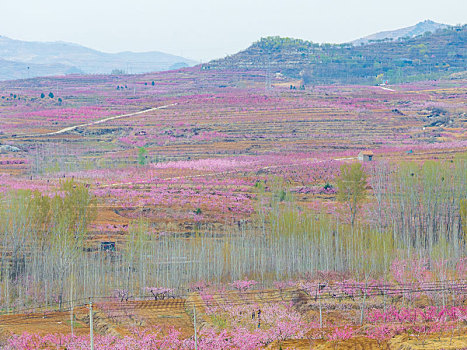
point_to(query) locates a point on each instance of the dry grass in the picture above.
(44, 323)
(443, 341)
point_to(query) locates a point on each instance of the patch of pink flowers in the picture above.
(243, 285)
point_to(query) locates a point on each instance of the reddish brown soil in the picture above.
(44, 323)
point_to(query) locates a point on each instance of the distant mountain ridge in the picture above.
(407, 32)
(427, 56)
(56, 58)
(11, 70)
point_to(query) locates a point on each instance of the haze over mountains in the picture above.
(295, 57)
(58, 58)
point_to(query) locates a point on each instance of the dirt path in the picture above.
(100, 121)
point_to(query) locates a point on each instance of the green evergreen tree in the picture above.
(142, 156)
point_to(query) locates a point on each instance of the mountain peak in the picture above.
(418, 29)
(395, 60)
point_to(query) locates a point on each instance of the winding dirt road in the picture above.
(100, 121)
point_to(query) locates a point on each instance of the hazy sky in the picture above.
(206, 29)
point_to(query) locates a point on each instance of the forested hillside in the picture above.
(427, 56)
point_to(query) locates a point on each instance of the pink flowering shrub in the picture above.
(284, 284)
(160, 292)
(152, 338)
(412, 315)
(199, 286)
(243, 285)
(428, 320)
(342, 333)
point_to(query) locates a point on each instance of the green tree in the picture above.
(379, 78)
(352, 187)
(72, 211)
(51, 94)
(38, 229)
(142, 156)
(42, 95)
(463, 213)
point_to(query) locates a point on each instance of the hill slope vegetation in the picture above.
(427, 56)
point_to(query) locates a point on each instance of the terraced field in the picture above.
(232, 184)
(228, 120)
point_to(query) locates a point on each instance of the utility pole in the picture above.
(71, 306)
(196, 334)
(320, 307)
(91, 333)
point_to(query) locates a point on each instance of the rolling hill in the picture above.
(427, 56)
(57, 58)
(11, 70)
(407, 32)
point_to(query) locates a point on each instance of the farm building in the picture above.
(365, 156)
(108, 246)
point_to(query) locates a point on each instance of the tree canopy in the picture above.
(352, 187)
